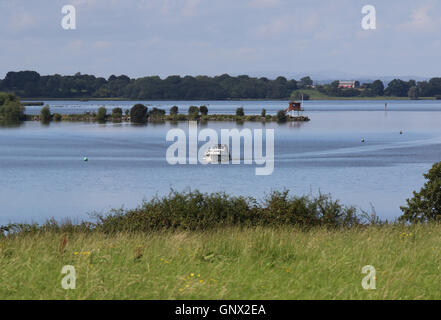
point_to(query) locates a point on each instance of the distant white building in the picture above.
(346, 84)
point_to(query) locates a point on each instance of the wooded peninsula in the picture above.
(30, 84)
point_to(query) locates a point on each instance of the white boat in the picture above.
(217, 154)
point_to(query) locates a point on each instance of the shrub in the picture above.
(240, 112)
(11, 110)
(101, 114)
(157, 113)
(281, 116)
(203, 110)
(117, 113)
(174, 110)
(138, 113)
(7, 97)
(193, 112)
(197, 211)
(45, 114)
(193, 210)
(425, 205)
(57, 117)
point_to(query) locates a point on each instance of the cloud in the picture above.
(421, 20)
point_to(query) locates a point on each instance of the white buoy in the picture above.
(85, 159)
(362, 140)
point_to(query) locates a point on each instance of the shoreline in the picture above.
(287, 99)
(178, 118)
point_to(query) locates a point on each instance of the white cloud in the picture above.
(422, 20)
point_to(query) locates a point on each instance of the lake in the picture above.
(43, 175)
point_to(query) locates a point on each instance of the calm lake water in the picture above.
(43, 175)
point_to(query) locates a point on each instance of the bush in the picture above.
(198, 211)
(425, 205)
(193, 210)
(281, 116)
(193, 112)
(11, 110)
(174, 110)
(138, 113)
(157, 113)
(117, 113)
(57, 117)
(240, 112)
(101, 114)
(45, 114)
(203, 110)
(7, 97)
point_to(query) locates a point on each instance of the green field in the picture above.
(314, 94)
(226, 263)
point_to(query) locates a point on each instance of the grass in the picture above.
(226, 263)
(314, 94)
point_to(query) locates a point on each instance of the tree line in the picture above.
(396, 88)
(30, 84)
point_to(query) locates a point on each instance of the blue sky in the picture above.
(257, 37)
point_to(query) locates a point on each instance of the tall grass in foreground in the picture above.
(226, 263)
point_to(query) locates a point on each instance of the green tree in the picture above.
(157, 113)
(397, 88)
(281, 116)
(263, 113)
(425, 205)
(101, 114)
(45, 114)
(305, 82)
(377, 87)
(174, 110)
(11, 110)
(117, 114)
(193, 112)
(203, 110)
(413, 93)
(138, 113)
(240, 112)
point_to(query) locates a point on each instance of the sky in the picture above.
(212, 37)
